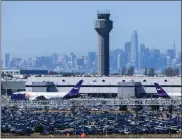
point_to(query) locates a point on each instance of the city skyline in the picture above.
(155, 28)
(178, 53)
(88, 63)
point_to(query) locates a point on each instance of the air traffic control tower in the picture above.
(103, 26)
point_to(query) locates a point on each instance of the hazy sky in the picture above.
(31, 29)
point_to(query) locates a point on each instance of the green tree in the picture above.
(172, 72)
(145, 72)
(164, 72)
(151, 72)
(132, 70)
(123, 70)
(170, 109)
(128, 71)
(123, 107)
(9, 75)
(2, 75)
(39, 128)
(176, 71)
(155, 107)
(168, 71)
(53, 73)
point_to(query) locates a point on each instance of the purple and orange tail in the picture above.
(74, 92)
(161, 92)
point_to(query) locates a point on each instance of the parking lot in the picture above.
(101, 121)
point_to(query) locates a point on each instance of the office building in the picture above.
(134, 49)
(141, 56)
(127, 50)
(7, 60)
(91, 59)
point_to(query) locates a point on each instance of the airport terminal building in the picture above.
(105, 86)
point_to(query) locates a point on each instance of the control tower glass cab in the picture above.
(103, 26)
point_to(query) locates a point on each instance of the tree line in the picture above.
(151, 71)
(130, 71)
(171, 71)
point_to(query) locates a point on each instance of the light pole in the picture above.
(181, 121)
(106, 124)
(172, 87)
(171, 107)
(122, 91)
(83, 124)
(98, 93)
(75, 126)
(89, 87)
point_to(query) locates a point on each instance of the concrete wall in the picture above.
(39, 89)
(13, 84)
(9, 87)
(126, 91)
(44, 89)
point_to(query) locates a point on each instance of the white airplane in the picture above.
(73, 93)
(162, 93)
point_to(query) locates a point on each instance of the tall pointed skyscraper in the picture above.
(134, 49)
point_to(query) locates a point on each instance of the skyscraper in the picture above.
(127, 47)
(80, 61)
(127, 50)
(142, 58)
(121, 60)
(168, 61)
(103, 25)
(170, 53)
(43, 62)
(7, 59)
(114, 59)
(134, 49)
(91, 59)
(72, 57)
(147, 55)
(156, 54)
(54, 58)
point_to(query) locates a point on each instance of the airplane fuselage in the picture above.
(47, 95)
(170, 95)
(73, 93)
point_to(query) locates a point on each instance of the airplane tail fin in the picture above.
(161, 92)
(74, 92)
